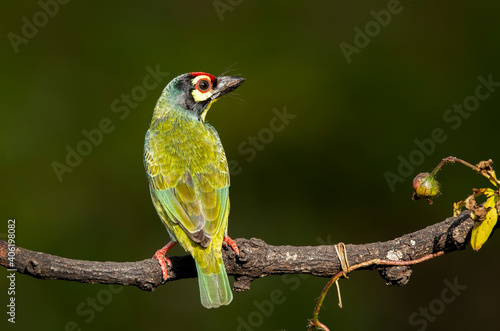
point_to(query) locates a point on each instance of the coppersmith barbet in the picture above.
(189, 178)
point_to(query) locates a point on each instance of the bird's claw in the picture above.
(228, 242)
(163, 260)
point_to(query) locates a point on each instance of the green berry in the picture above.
(425, 186)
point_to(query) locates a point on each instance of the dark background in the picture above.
(319, 180)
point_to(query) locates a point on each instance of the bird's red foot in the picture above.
(230, 242)
(160, 255)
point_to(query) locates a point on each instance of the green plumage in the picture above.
(189, 184)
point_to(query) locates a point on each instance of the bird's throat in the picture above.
(205, 111)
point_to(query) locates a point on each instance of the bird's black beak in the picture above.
(226, 84)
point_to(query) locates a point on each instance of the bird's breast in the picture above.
(183, 145)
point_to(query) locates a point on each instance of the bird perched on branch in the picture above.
(189, 178)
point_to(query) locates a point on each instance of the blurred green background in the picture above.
(320, 179)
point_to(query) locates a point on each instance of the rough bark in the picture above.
(257, 259)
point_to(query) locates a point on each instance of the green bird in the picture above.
(189, 178)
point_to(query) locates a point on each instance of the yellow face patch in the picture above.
(203, 88)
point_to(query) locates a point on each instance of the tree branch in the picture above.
(257, 259)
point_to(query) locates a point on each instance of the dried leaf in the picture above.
(487, 171)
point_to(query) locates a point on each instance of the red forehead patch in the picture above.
(199, 73)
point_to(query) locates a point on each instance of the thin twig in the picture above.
(315, 321)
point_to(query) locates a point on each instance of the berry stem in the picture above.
(488, 173)
(452, 159)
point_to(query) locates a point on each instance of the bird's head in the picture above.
(195, 92)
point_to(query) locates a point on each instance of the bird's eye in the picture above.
(203, 85)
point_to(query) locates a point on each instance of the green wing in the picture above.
(190, 185)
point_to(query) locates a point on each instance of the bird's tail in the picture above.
(215, 290)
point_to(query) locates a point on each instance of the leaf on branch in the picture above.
(486, 216)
